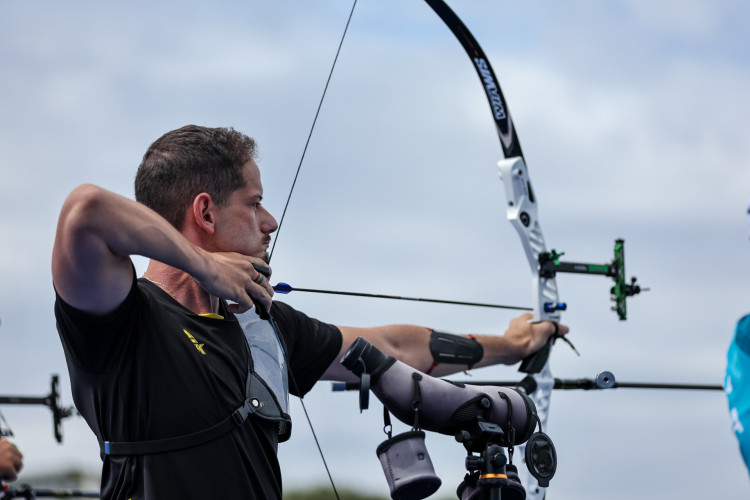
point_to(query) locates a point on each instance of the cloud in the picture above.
(633, 124)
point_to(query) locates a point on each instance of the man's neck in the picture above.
(182, 287)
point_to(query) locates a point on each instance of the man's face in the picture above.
(243, 225)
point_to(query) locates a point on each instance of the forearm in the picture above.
(419, 347)
(129, 228)
(411, 345)
(98, 231)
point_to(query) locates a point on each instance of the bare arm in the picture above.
(99, 230)
(411, 345)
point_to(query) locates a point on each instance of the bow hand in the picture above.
(534, 340)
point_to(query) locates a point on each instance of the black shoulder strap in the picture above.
(236, 419)
(260, 402)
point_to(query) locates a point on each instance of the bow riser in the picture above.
(523, 215)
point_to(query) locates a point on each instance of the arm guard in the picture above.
(454, 349)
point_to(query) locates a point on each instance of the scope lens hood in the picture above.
(363, 357)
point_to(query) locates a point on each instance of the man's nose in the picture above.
(269, 224)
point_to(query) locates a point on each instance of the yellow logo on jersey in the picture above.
(195, 342)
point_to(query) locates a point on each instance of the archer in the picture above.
(160, 365)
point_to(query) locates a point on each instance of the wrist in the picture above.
(200, 264)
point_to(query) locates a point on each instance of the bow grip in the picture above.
(534, 362)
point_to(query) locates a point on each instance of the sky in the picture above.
(633, 119)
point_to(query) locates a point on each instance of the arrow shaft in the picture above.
(400, 297)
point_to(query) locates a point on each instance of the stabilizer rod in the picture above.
(51, 401)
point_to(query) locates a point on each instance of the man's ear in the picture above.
(203, 213)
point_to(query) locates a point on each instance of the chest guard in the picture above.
(266, 394)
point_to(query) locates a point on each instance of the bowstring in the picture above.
(283, 215)
(5, 430)
(309, 135)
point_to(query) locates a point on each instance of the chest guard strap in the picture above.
(261, 403)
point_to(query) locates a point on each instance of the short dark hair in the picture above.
(188, 161)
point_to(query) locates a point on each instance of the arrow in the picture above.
(285, 288)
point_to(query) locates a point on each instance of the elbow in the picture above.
(77, 222)
(86, 195)
(81, 206)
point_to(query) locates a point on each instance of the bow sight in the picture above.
(550, 264)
